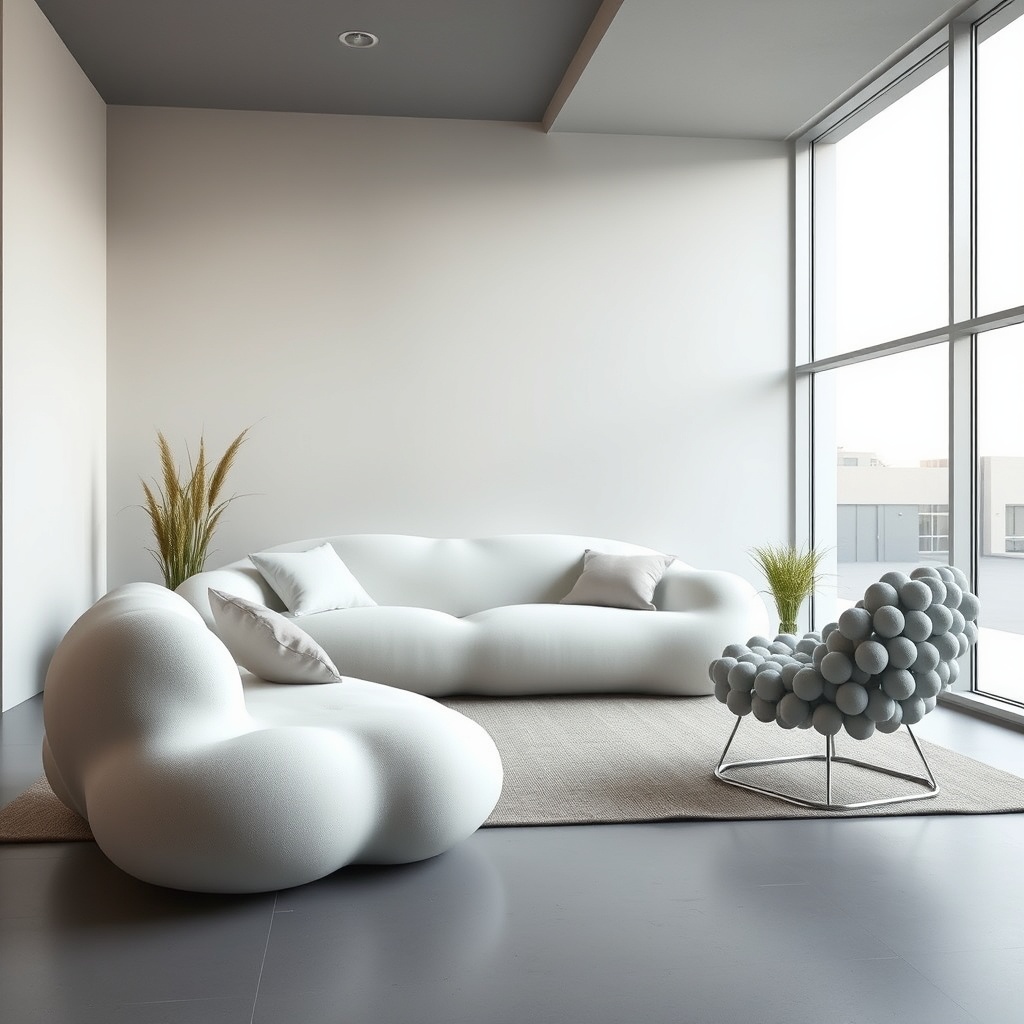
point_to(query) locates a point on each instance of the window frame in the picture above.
(815, 469)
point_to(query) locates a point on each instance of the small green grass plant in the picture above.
(792, 575)
(184, 513)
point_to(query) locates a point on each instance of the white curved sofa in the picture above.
(194, 779)
(483, 617)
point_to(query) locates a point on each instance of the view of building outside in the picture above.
(892, 477)
(887, 185)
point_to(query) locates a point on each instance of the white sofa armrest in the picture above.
(241, 579)
(709, 590)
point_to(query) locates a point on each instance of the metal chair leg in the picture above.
(830, 757)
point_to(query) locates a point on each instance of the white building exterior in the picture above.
(898, 513)
(1001, 485)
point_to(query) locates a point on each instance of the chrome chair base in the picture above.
(724, 769)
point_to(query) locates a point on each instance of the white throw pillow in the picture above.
(268, 644)
(619, 581)
(311, 581)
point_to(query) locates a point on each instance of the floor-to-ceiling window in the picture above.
(910, 205)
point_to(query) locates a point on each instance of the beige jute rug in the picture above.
(585, 760)
(615, 759)
(37, 816)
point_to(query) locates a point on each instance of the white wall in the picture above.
(54, 309)
(451, 328)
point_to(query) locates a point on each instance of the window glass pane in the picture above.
(881, 199)
(1015, 528)
(933, 529)
(892, 482)
(1000, 174)
(1001, 512)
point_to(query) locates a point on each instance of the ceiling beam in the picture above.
(598, 27)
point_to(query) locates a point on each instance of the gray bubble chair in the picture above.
(880, 667)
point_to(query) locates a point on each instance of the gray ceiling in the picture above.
(487, 59)
(733, 68)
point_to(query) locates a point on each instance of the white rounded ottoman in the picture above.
(191, 780)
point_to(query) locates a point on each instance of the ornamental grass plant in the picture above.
(184, 513)
(792, 575)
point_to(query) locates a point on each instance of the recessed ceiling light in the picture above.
(358, 40)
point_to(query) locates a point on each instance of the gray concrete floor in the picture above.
(860, 921)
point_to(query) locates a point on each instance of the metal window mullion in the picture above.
(962, 449)
(802, 526)
(971, 325)
(885, 348)
(816, 397)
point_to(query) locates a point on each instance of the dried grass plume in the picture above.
(184, 513)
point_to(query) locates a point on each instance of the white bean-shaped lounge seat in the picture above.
(193, 780)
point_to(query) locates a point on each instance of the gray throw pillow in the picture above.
(268, 644)
(619, 581)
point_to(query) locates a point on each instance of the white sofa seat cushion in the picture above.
(531, 648)
(586, 649)
(415, 649)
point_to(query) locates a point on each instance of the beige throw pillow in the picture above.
(619, 581)
(268, 644)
